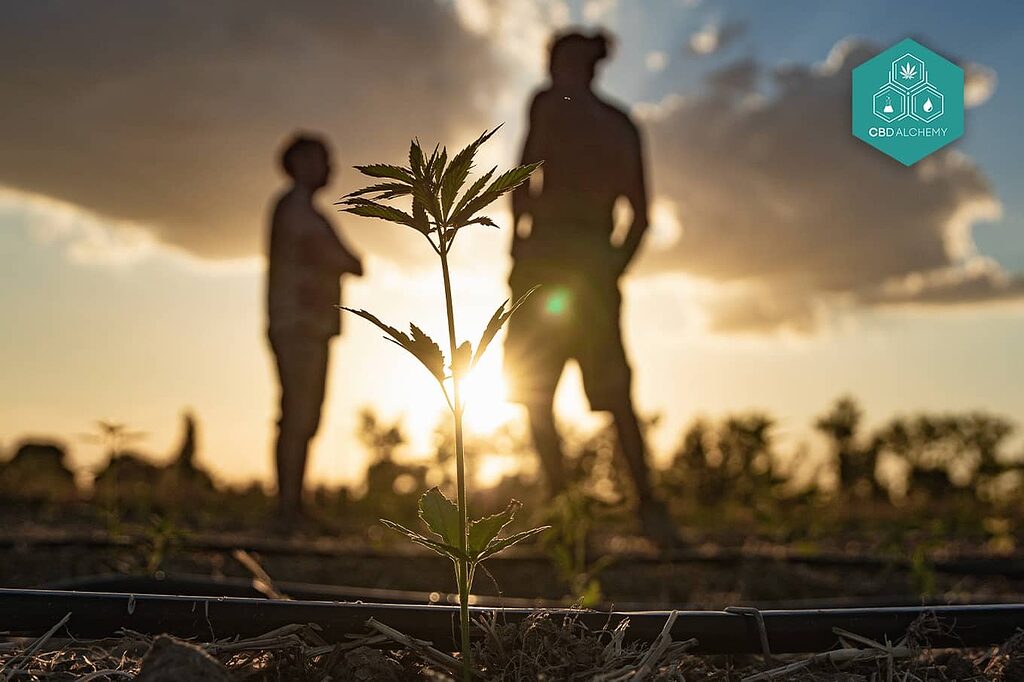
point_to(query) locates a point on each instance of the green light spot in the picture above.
(558, 302)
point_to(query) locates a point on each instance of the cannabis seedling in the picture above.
(438, 213)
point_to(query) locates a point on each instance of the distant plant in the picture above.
(855, 461)
(113, 436)
(573, 514)
(438, 213)
(163, 537)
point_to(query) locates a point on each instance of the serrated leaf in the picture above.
(453, 553)
(463, 359)
(441, 516)
(512, 178)
(483, 531)
(481, 220)
(386, 170)
(382, 188)
(426, 198)
(505, 182)
(427, 350)
(439, 166)
(430, 168)
(497, 321)
(371, 209)
(419, 345)
(416, 159)
(474, 189)
(398, 337)
(498, 545)
(419, 217)
(459, 168)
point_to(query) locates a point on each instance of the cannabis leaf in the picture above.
(453, 553)
(469, 204)
(908, 71)
(463, 359)
(440, 515)
(483, 531)
(418, 344)
(498, 545)
(496, 322)
(442, 518)
(455, 176)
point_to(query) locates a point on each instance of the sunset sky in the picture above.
(788, 262)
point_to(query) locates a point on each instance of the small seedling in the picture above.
(439, 213)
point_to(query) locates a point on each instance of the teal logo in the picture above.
(908, 102)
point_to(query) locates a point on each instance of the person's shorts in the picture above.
(572, 316)
(302, 361)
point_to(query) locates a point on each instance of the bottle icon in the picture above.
(887, 109)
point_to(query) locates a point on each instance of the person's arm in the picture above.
(326, 249)
(521, 197)
(635, 191)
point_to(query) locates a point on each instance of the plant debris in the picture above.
(542, 647)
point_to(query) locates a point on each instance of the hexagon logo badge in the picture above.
(908, 102)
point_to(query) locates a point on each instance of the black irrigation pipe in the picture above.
(204, 585)
(976, 565)
(97, 615)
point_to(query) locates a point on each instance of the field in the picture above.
(755, 535)
(771, 545)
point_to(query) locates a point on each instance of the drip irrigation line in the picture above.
(97, 615)
(973, 565)
(201, 585)
(204, 585)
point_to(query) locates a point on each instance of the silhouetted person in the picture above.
(592, 158)
(307, 260)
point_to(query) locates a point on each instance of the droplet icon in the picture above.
(928, 106)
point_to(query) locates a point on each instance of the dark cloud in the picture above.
(783, 209)
(169, 114)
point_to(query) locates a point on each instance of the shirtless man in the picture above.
(592, 157)
(306, 262)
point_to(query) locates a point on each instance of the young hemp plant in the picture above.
(438, 213)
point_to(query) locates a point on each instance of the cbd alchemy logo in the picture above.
(908, 102)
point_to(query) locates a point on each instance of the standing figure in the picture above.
(306, 262)
(592, 159)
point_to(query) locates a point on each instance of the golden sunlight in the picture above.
(486, 398)
(492, 468)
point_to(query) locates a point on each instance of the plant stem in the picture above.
(462, 566)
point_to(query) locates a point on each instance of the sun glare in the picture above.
(492, 468)
(486, 399)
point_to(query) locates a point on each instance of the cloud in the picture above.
(169, 115)
(85, 238)
(979, 84)
(715, 36)
(981, 280)
(791, 216)
(656, 61)
(599, 11)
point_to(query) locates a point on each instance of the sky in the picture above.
(788, 263)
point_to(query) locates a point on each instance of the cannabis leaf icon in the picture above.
(908, 71)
